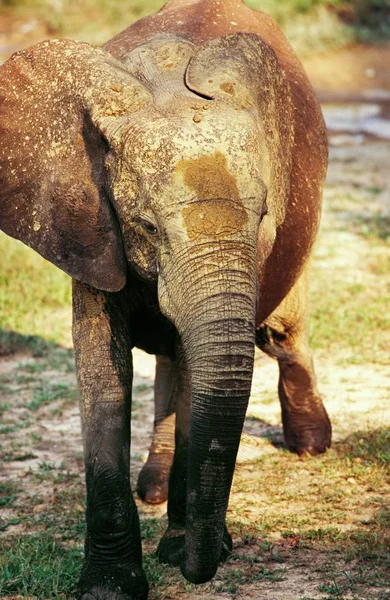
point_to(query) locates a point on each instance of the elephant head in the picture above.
(172, 164)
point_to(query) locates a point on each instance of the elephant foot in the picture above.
(119, 583)
(152, 484)
(171, 548)
(99, 593)
(308, 432)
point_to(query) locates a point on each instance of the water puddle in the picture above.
(6, 51)
(351, 123)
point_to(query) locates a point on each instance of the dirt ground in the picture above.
(356, 395)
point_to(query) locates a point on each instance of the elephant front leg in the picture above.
(112, 568)
(152, 485)
(306, 425)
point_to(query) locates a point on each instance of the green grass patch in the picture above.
(350, 317)
(38, 566)
(11, 341)
(8, 493)
(369, 446)
(376, 227)
(315, 498)
(349, 296)
(6, 429)
(35, 300)
(17, 456)
(4, 406)
(234, 578)
(49, 393)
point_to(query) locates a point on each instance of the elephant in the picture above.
(176, 175)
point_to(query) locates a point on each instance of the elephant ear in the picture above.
(243, 70)
(55, 99)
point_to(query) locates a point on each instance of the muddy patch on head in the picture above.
(219, 211)
(228, 87)
(209, 177)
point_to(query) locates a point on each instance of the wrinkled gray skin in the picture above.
(180, 187)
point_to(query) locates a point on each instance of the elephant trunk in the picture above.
(219, 346)
(214, 440)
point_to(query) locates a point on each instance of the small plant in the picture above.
(8, 493)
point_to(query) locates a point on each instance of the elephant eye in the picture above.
(148, 226)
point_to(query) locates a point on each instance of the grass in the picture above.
(35, 299)
(350, 313)
(36, 564)
(350, 319)
(8, 493)
(43, 560)
(371, 447)
(48, 393)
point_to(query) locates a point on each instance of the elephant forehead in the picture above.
(219, 211)
(179, 163)
(180, 143)
(208, 176)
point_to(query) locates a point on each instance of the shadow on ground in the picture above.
(12, 342)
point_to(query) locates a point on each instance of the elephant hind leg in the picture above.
(152, 484)
(284, 336)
